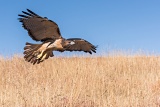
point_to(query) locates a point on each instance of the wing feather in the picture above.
(32, 12)
(27, 13)
(79, 44)
(39, 28)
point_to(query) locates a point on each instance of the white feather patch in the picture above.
(72, 43)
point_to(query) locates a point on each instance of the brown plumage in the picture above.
(47, 31)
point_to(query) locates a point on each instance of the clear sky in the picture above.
(110, 24)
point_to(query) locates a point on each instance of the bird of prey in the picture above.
(47, 31)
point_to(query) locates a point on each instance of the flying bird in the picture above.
(47, 31)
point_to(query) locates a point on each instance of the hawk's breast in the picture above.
(56, 45)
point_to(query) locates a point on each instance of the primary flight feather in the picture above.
(47, 31)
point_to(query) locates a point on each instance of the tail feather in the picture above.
(30, 46)
(34, 60)
(29, 58)
(33, 51)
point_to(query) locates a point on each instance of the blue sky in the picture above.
(110, 24)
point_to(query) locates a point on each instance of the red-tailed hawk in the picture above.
(47, 31)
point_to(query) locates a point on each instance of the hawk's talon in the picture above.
(40, 55)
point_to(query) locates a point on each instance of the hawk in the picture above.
(47, 31)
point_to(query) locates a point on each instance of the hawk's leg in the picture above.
(42, 55)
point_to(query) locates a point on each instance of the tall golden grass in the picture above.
(109, 81)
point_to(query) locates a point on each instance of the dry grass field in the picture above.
(109, 81)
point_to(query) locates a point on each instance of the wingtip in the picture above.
(94, 51)
(20, 19)
(96, 46)
(90, 52)
(28, 9)
(23, 11)
(31, 12)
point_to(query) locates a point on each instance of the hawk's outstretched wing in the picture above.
(39, 28)
(78, 44)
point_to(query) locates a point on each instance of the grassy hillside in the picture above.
(111, 81)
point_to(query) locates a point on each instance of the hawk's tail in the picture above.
(33, 54)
